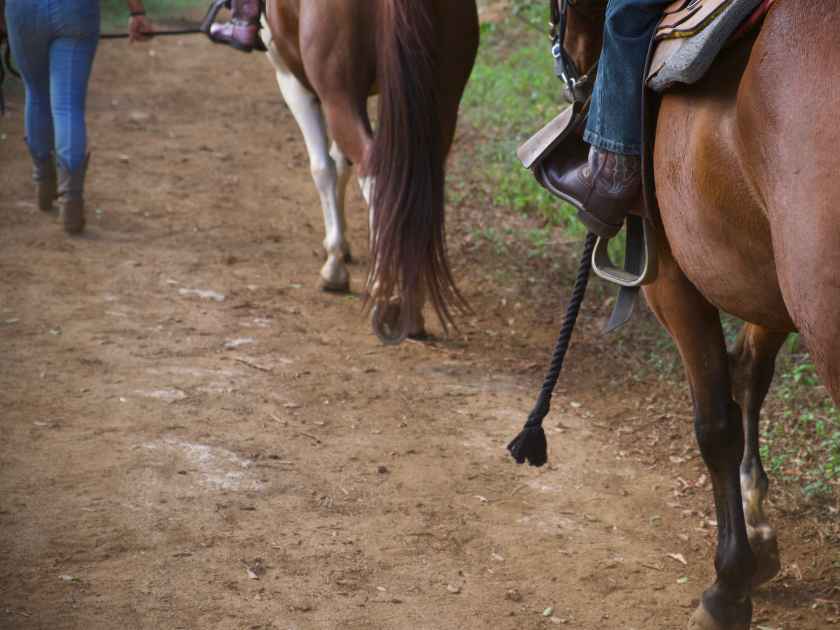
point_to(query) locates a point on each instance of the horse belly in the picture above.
(717, 231)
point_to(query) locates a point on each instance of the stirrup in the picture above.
(640, 261)
(640, 268)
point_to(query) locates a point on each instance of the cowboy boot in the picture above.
(71, 188)
(602, 188)
(43, 174)
(242, 31)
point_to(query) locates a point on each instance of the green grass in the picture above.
(802, 440)
(115, 12)
(513, 92)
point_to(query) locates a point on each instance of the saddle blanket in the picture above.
(692, 34)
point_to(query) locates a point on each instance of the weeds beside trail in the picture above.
(513, 92)
(115, 13)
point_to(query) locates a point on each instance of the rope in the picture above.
(530, 444)
(186, 31)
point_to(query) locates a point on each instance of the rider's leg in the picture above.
(30, 45)
(242, 30)
(610, 181)
(615, 117)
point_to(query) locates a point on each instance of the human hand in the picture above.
(140, 29)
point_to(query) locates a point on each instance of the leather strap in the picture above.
(634, 259)
(625, 306)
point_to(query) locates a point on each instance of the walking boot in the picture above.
(602, 189)
(71, 203)
(43, 174)
(242, 31)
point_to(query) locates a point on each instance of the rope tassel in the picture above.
(530, 445)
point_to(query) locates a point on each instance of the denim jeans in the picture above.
(615, 116)
(53, 43)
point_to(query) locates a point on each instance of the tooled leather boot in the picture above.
(242, 31)
(602, 189)
(43, 174)
(71, 202)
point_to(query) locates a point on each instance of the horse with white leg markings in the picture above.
(329, 58)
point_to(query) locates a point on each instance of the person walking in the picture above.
(53, 43)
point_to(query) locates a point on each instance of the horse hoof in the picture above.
(335, 287)
(703, 620)
(387, 325)
(334, 277)
(765, 547)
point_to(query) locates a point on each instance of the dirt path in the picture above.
(193, 436)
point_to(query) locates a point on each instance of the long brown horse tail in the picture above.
(408, 242)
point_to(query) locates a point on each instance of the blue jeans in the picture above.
(53, 43)
(615, 116)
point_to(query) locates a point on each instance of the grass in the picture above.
(512, 93)
(802, 440)
(115, 12)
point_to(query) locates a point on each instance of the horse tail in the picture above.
(408, 242)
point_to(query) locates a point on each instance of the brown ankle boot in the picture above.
(242, 32)
(602, 189)
(71, 203)
(43, 174)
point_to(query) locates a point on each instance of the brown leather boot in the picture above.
(71, 202)
(43, 174)
(602, 189)
(242, 32)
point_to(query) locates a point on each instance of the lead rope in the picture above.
(184, 31)
(531, 444)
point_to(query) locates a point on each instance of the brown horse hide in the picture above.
(417, 55)
(746, 165)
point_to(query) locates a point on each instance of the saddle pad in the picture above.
(690, 38)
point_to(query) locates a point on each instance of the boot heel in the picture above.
(73, 215)
(71, 197)
(46, 195)
(44, 176)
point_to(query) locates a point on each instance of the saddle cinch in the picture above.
(691, 34)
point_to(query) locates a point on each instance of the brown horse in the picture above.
(330, 56)
(746, 168)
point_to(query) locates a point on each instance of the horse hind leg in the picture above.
(326, 173)
(753, 361)
(344, 169)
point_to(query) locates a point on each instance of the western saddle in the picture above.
(691, 34)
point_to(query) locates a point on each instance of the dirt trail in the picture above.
(193, 436)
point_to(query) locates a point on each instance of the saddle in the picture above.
(690, 36)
